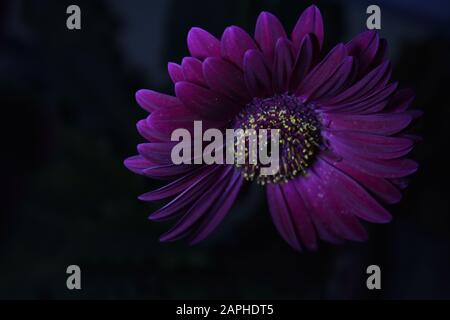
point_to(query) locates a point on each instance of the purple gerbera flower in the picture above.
(341, 121)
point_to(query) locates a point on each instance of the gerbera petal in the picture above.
(137, 164)
(176, 186)
(198, 208)
(321, 213)
(267, 32)
(352, 195)
(202, 44)
(204, 102)
(226, 79)
(283, 65)
(322, 71)
(193, 71)
(304, 61)
(256, 74)
(188, 196)
(300, 216)
(149, 133)
(371, 82)
(335, 82)
(310, 21)
(235, 42)
(390, 168)
(381, 187)
(385, 124)
(281, 215)
(157, 152)
(151, 100)
(175, 72)
(364, 47)
(368, 145)
(372, 103)
(400, 101)
(381, 55)
(219, 210)
(167, 171)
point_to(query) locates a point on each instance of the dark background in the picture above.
(68, 121)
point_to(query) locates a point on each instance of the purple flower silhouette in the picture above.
(341, 121)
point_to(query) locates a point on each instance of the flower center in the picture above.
(299, 136)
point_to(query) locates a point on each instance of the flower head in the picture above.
(340, 121)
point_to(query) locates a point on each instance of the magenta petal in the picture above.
(372, 103)
(352, 194)
(300, 216)
(167, 171)
(371, 82)
(391, 168)
(151, 100)
(157, 152)
(219, 209)
(198, 208)
(175, 72)
(364, 47)
(202, 44)
(267, 32)
(256, 74)
(400, 101)
(137, 164)
(281, 215)
(193, 71)
(381, 55)
(336, 82)
(309, 22)
(225, 78)
(176, 186)
(384, 124)
(188, 196)
(149, 133)
(283, 65)
(304, 61)
(322, 71)
(369, 145)
(319, 210)
(235, 42)
(204, 102)
(381, 187)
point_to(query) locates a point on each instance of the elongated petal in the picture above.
(151, 100)
(188, 196)
(175, 72)
(219, 209)
(381, 187)
(204, 102)
(309, 22)
(307, 52)
(177, 186)
(226, 79)
(256, 74)
(202, 44)
(198, 209)
(267, 32)
(322, 71)
(385, 124)
(193, 71)
(335, 82)
(281, 216)
(300, 216)
(283, 65)
(364, 47)
(352, 195)
(235, 42)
